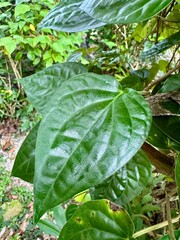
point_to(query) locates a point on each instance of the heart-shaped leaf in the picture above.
(100, 219)
(93, 129)
(41, 86)
(25, 159)
(68, 17)
(123, 11)
(128, 182)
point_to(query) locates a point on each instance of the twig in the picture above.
(155, 227)
(155, 82)
(168, 211)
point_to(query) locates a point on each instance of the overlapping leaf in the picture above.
(162, 46)
(68, 17)
(172, 83)
(98, 220)
(40, 87)
(123, 11)
(93, 129)
(25, 159)
(127, 183)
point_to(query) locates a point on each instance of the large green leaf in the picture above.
(68, 17)
(123, 11)
(41, 86)
(93, 129)
(127, 183)
(25, 159)
(98, 220)
(162, 46)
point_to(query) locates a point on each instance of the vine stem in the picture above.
(155, 82)
(155, 227)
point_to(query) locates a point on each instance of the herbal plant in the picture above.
(99, 134)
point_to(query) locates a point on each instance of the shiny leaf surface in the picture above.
(93, 129)
(98, 220)
(25, 159)
(68, 17)
(41, 86)
(123, 11)
(162, 46)
(128, 182)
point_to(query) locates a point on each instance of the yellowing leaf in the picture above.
(32, 27)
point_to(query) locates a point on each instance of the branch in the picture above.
(155, 227)
(155, 82)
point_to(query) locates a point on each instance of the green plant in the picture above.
(101, 134)
(23, 51)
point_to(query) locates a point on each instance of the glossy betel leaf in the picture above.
(123, 11)
(100, 219)
(41, 86)
(95, 129)
(68, 17)
(25, 158)
(172, 83)
(162, 46)
(177, 171)
(127, 183)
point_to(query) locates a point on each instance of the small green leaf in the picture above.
(127, 183)
(170, 125)
(162, 46)
(172, 83)
(5, 4)
(21, 9)
(90, 118)
(21, 1)
(123, 11)
(31, 55)
(70, 211)
(97, 220)
(41, 86)
(68, 17)
(25, 159)
(49, 227)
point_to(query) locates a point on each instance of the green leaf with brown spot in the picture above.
(98, 220)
